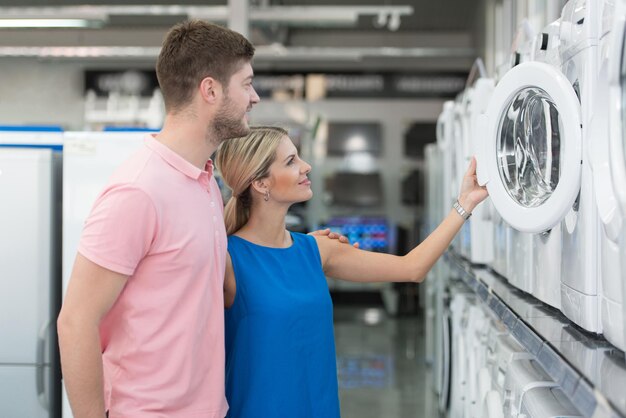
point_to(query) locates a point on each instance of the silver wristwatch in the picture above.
(464, 214)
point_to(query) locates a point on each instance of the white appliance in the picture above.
(501, 233)
(484, 387)
(580, 284)
(507, 350)
(502, 350)
(493, 407)
(89, 160)
(547, 402)
(459, 307)
(520, 245)
(434, 294)
(617, 145)
(547, 245)
(30, 176)
(522, 376)
(489, 392)
(505, 256)
(610, 262)
(534, 171)
(445, 141)
(477, 232)
(477, 328)
(457, 151)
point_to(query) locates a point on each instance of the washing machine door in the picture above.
(530, 160)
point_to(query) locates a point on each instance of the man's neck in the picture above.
(188, 138)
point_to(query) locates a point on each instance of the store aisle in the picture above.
(380, 361)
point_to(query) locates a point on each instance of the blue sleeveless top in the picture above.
(280, 346)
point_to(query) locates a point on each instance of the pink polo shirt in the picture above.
(159, 221)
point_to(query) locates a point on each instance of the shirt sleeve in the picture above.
(120, 229)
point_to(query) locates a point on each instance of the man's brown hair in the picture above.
(193, 50)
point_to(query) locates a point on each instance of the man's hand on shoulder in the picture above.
(333, 235)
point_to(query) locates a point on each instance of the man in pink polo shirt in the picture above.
(141, 328)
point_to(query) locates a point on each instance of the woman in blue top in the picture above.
(280, 348)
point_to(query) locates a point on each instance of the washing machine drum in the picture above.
(528, 147)
(530, 158)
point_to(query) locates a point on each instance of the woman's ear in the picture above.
(260, 186)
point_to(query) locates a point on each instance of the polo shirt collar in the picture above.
(178, 162)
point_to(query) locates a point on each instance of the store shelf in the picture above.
(588, 368)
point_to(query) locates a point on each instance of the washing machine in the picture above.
(500, 241)
(617, 145)
(434, 184)
(484, 387)
(580, 283)
(445, 141)
(505, 256)
(611, 220)
(459, 309)
(533, 170)
(547, 245)
(493, 407)
(492, 398)
(437, 280)
(477, 232)
(522, 376)
(89, 160)
(519, 247)
(458, 150)
(477, 328)
(547, 402)
(504, 350)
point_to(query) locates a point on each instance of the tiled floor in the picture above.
(380, 361)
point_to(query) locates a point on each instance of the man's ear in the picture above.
(210, 89)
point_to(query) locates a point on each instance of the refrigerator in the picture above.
(30, 270)
(90, 158)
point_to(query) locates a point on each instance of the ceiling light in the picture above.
(290, 15)
(50, 23)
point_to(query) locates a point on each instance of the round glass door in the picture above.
(528, 147)
(532, 150)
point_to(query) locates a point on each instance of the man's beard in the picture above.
(227, 125)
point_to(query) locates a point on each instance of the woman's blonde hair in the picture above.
(241, 161)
